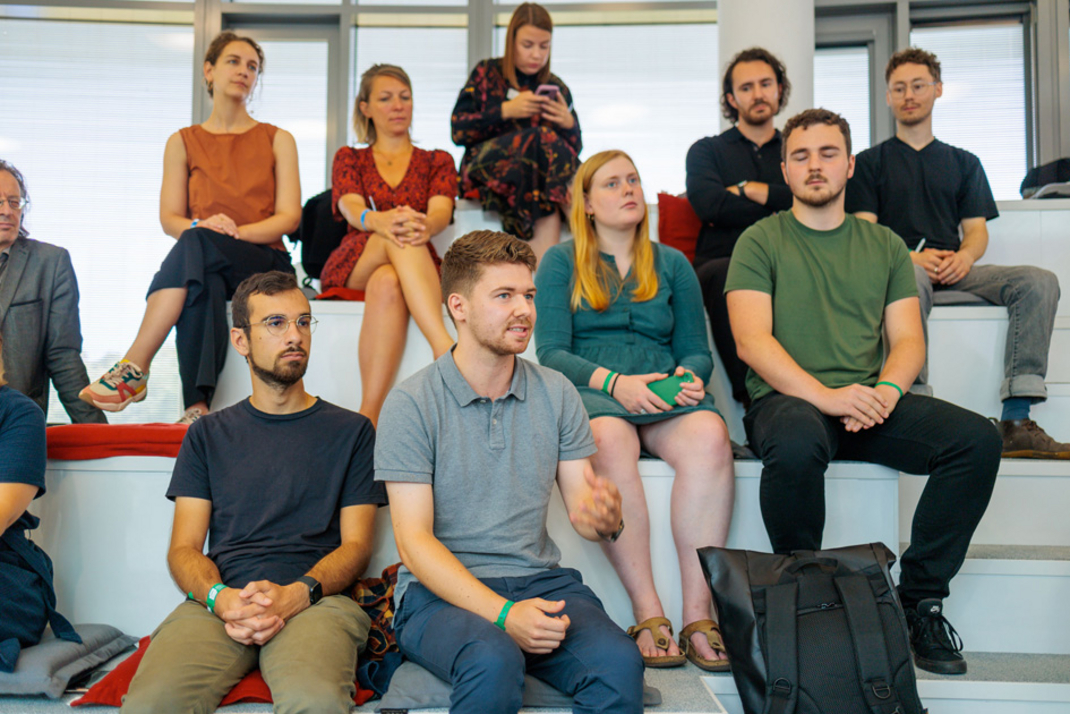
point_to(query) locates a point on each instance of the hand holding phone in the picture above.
(669, 387)
(550, 91)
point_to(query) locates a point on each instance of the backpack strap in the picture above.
(867, 636)
(781, 649)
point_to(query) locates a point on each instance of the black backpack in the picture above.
(814, 632)
(319, 233)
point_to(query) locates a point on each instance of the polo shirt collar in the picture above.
(462, 391)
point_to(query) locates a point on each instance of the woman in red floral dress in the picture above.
(395, 198)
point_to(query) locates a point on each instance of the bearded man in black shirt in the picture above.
(929, 192)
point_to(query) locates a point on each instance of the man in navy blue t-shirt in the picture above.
(281, 485)
(937, 198)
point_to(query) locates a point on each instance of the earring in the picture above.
(208, 83)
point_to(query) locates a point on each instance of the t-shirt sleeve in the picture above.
(190, 476)
(443, 179)
(862, 194)
(752, 266)
(22, 442)
(409, 452)
(975, 199)
(576, 440)
(901, 281)
(345, 178)
(360, 486)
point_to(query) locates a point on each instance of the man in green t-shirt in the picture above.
(817, 298)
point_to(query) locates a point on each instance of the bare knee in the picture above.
(384, 287)
(700, 438)
(616, 439)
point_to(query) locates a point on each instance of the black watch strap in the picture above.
(315, 590)
(612, 538)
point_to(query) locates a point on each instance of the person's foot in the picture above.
(1024, 439)
(658, 650)
(937, 647)
(124, 383)
(191, 415)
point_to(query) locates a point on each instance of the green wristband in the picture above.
(503, 614)
(891, 384)
(213, 593)
(605, 384)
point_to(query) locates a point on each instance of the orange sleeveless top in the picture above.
(232, 174)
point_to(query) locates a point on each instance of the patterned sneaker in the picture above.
(1024, 439)
(120, 385)
(937, 647)
(191, 415)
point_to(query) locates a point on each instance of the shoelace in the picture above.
(938, 628)
(118, 374)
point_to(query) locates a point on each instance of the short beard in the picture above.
(280, 378)
(822, 200)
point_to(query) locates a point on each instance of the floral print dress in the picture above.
(521, 168)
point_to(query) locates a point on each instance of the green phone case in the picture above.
(669, 387)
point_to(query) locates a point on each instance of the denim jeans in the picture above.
(1031, 296)
(960, 450)
(597, 664)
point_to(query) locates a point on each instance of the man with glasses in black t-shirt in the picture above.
(929, 192)
(733, 181)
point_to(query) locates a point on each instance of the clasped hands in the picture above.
(944, 267)
(528, 104)
(257, 612)
(632, 392)
(858, 406)
(403, 226)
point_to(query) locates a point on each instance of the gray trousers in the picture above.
(1031, 296)
(310, 665)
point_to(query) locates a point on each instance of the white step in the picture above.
(1028, 506)
(995, 684)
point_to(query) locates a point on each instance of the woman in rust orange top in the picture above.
(230, 192)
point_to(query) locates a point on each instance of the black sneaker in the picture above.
(937, 647)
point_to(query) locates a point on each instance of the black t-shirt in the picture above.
(921, 194)
(717, 162)
(22, 446)
(277, 484)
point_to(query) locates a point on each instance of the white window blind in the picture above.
(983, 106)
(87, 109)
(841, 84)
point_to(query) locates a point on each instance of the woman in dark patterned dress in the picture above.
(522, 144)
(396, 198)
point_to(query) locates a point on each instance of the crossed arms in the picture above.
(256, 613)
(593, 505)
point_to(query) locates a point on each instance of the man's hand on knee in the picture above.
(255, 630)
(281, 601)
(534, 626)
(864, 404)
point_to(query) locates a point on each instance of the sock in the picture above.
(1016, 408)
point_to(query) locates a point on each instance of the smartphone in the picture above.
(669, 387)
(548, 90)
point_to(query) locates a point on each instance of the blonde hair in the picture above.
(596, 282)
(528, 13)
(362, 125)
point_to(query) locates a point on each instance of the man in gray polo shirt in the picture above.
(470, 451)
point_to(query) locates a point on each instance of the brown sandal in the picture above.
(713, 636)
(660, 641)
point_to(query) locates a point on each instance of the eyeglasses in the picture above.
(278, 325)
(17, 203)
(918, 89)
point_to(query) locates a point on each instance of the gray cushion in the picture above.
(413, 687)
(47, 667)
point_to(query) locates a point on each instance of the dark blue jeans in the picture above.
(597, 664)
(960, 450)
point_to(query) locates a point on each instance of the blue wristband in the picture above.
(195, 222)
(363, 213)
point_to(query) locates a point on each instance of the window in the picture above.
(841, 84)
(88, 108)
(983, 107)
(650, 90)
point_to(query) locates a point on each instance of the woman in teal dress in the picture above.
(617, 312)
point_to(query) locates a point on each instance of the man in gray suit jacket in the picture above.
(39, 310)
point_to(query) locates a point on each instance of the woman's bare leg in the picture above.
(162, 310)
(547, 234)
(382, 339)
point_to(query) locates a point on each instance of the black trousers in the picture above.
(210, 265)
(960, 450)
(711, 277)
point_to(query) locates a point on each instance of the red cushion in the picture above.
(111, 690)
(678, 225)
(341, 294)
(75, 442)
